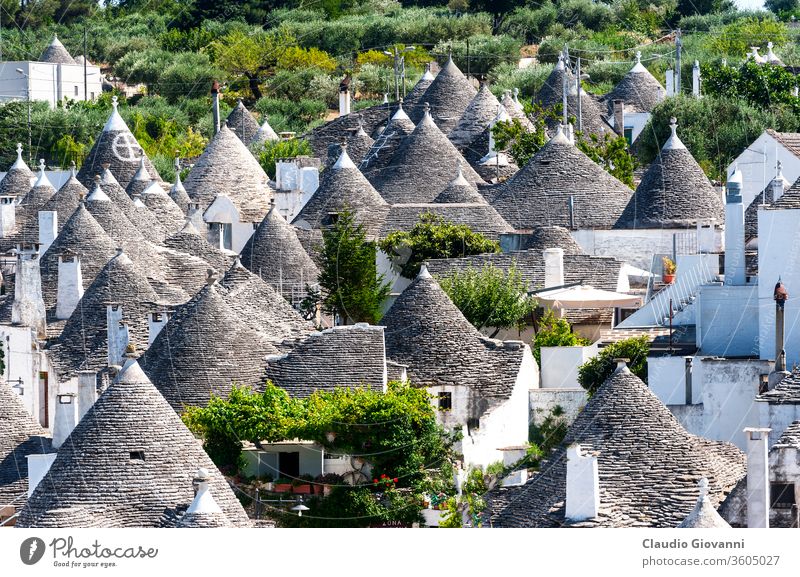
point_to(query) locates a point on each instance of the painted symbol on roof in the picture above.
(124, 149)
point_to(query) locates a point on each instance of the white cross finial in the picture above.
(703, 485)
(72, 170)
(673, 126)
(41, 165)
(114, 102)
(638, 57)
(19, 150)
(780, 165)
(460, 172)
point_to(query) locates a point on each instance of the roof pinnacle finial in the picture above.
(673, 126)
(460, 169)
(19, 151)
(211, 277)
(780, 166)
(41, 165)
(72, 168)
(703, 486)
(114, 102)
(638, 57)
(427, 108)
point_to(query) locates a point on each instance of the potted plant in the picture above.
(282, 485)
(668, 270)
(326, 482)
(301, 486)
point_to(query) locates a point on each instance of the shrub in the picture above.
(189, 76)
(594, 372)
(298, 114)
(555, 332)
(530, 24)
(485, 52)
(271, 151)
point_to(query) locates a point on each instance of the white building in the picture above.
(759, 161)
(54, 78)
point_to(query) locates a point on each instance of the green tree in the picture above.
(351, 285)
(269, 152)
(433, 237)
(778, 6)
(490, 297)
(599, 368)
(554, 331)
(610, 152)
(736, 38)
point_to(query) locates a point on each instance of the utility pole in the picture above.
(578, 86)
(678, 48)
(85, 68)
(467, 57)
(564, 86)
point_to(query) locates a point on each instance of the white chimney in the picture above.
(38, 465)
(670, 82)
(117, 335)
(203, 500)
(344, 99)
(28, 307)
(778, 183)
(48, 229)
(155, 322)
(553, 267)
(734, 231)
(66, 417)
(70, 284)
(757, 478)
(8, 215)
(87, 392)
(195, 215)
(583, 485)
(696, 79)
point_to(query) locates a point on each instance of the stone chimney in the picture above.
(553, 267)
(8, 215)
(28, 307)
(155, 322)
(70, 284)
(734, 231)
(583, 485)
(619, 116)
(696, 79)
(48, 229)
(87, 392)
(344, 96)
(38, 465)
(66, 417)
(118, 336)
(757, 478)
(194, 214)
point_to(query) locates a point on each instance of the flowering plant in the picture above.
(385, 482)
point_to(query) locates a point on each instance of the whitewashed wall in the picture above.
(777, 418)
(222, 210)
(560, 365)
(543, 401)
(758, 163)
(727, 320)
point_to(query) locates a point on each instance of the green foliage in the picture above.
(779, 6)
(736, 38)
(187, 76)
(546, 436)
(295, 57)
(490, 297)
(485, 52)
(555, 332)
(610, 152)
(715, 129)
(530, 24)
(433, 237)
(760, 85)
(599, 368)
(270, 151)
(352, 287)
(520, 142)
(298, 114)
(688, 7)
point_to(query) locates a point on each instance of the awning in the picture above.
(587, 297)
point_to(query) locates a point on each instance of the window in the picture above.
(445, 401)
(137, 455)
(628, 133)
(227, 236)
(763, 384)
(76, 91)
(92, 95)
(473, 423)
(782, 495)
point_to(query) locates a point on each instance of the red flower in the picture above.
(395, 479)
(374, 480)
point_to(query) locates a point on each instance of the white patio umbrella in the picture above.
(586, 297)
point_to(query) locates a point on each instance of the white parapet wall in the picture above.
(727, 320)
(560, 365)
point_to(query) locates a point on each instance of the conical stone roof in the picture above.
(344, 187)
(476, 118)
(539, 194)
(448, 95)
(66, 200)
(19, 178)
(427, 332)
(552, 91)
(275, 254)
(413, 97)
(264, 134)
(242, 123)
(81, 235)
(27, 225)
(20, 436)
(129, 462)
(83, 344)
(190, 241)
(145, 221)
(203, 513)
(514, 109)
(638, 89)
(117, 147)
(422, 167)
(674, 192)
(649, 465)
(177, 193)
(204, 349)
(227, 166)
(55, 53)
(704, 515)
(544, 237)
(384, 147)
(460, 190)
(140, 181)
(358, 146)
(163, 207)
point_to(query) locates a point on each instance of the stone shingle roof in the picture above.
(480, 217)
(448, 95)
(204, 349)
(242, 123)
(358, 146)
(539, 194)
(145, 221)
(786, 392)
(189, 241)
(673, 193)
(476, 118)
(140, 180)
(163, 207)
(385, 145)
(789, 438)
(20, 436)
(19, 178)
(343, 186)
(551, 94)
(177, 193)
(346, 356)
(275, 254)
(265, 133)
(55, 53)
(227, 167)
(83, 236)
(751, 212)
(66, 200)
(460, 190)
(426, 331)
(514, 109)
(415, 94)
(422, 166)
(789, 140)
(27, 221)
(83, 344)
(704, 515)
(371, 119)
(788, 200)
(100, 473)
(649, 465)
(552, 91)
(639, 90)
(117, 147)
(544, 237)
